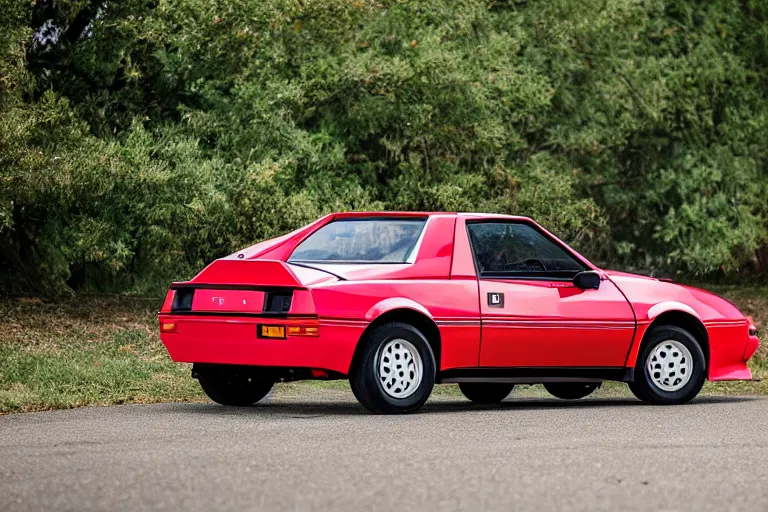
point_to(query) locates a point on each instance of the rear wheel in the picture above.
(234, 387)
(670, 368)
(570, 390)
(395, 370)
(486, 392)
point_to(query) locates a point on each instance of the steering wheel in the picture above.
(527, 263)
(536, 261)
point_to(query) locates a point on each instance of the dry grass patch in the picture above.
(85, 351)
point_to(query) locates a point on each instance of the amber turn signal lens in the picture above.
(272, 331)
(168, 327)
(303, 330)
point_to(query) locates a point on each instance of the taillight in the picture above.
(303, 330)
(280, 331)
(168, 327)
(271, 331)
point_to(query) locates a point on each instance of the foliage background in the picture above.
(141, 139)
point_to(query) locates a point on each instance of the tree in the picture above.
(141, 139)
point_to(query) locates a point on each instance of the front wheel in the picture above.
(230, 386)
(394, 371)
(485, 392)
(570, 390)
(670, 368)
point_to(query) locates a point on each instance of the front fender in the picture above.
(670, 305)
(644, 323)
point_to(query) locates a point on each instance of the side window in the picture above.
(516, 249)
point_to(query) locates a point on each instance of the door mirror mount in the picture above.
(587, 280)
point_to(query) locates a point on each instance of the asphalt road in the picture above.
(288, 455)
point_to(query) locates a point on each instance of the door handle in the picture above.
(495, 300)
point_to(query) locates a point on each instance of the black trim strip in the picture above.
(285, 316)
(533, 374)
(304, 265)
(254, 287)
(520, 380)
(529, 276)
(363, 217)
(278, 373)
(349, 262)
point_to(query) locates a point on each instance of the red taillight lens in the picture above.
(303, 330)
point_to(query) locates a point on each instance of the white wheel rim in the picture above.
(670, 365)
(399, 368)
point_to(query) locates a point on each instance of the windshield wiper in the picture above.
(317, 268)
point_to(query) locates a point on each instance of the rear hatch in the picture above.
(245, 288)
(247, 312)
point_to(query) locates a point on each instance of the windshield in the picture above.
(361, 241)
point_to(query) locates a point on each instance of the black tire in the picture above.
(644, 386)
(570, 390)
(233, 387)
(365, 380)
(486, 392)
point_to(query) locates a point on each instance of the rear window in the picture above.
(362, 241)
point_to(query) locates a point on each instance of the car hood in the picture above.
(646, 292)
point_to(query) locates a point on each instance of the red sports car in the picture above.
(397, 302)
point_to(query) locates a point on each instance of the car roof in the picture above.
(471, 215)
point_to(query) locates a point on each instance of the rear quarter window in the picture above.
(361, 241)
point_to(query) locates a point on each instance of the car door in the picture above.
(532, 314)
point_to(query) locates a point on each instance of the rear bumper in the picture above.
(233, 340)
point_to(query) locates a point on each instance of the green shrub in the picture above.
(165, 134)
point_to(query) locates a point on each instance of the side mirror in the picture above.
(588, 280)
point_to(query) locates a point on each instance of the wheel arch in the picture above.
(419, 318)
(683, 319)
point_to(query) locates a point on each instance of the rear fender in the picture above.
(393, 303)
(399, 306)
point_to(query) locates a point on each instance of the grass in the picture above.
(102, 350)
(90, 351)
